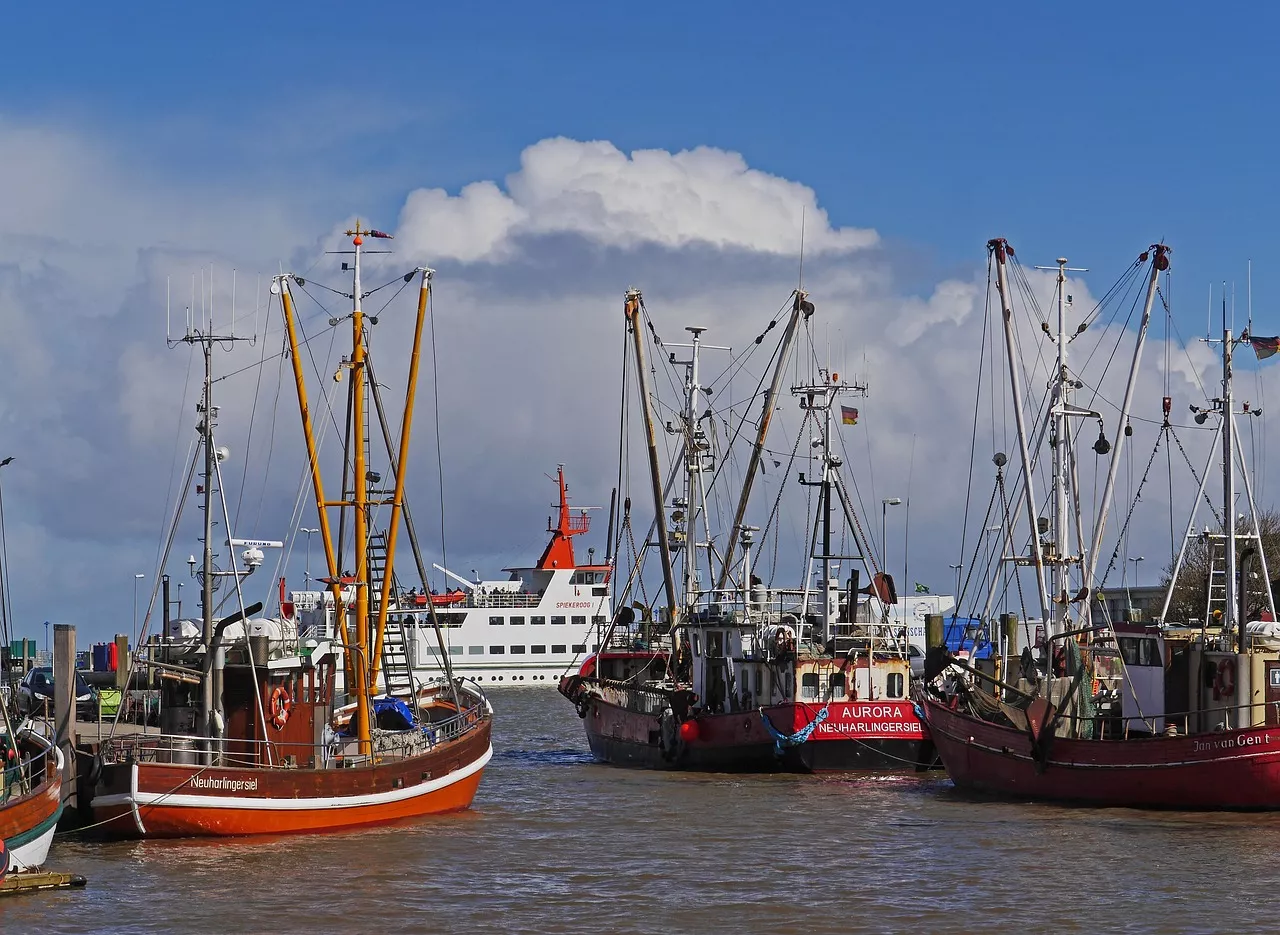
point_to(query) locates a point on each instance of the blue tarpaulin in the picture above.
(393, 714)
(969, 635)
(388, 714)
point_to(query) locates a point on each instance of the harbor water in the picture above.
(556, 843)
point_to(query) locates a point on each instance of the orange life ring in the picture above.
(281, 705)
(1224, 682)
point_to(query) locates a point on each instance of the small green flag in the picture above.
(922, 588)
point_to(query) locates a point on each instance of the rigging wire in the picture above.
(435, 406)
(177, 443)
(248, 441)
(973, 438)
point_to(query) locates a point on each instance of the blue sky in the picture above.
(245, 132)
(940, 124)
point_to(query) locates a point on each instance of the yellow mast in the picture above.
(397, 499)
(317, 482)
(360, 499)
(357, 644)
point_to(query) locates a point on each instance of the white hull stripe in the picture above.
(32, 853)
(177, 800)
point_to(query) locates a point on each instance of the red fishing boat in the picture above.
(1114, 713)
(740, 676)
(1228, 769)
(250, 739)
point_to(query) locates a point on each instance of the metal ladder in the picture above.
(1215, 595)
(397, 671)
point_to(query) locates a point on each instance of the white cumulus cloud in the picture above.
(593, 189)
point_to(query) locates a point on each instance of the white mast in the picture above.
(632, 309)
(693, 465)
(1229, 478)
(1061, 464)
(1000, 247)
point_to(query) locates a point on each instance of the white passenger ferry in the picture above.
(527, 628)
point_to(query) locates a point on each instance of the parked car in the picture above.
(35, 694)
(916, 655)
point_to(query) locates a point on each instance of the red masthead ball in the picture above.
(358, 241)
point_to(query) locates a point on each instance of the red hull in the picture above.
(1235, 769)
(740, 741)
(172, 800)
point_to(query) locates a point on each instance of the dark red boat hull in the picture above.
(1235, 769)
(740, 742)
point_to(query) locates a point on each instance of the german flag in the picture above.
(849, 415)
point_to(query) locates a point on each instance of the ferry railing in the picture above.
(502, 599)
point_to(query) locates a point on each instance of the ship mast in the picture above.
(1229, 480)
(819, 400)
(693, 465)
(1062, 463)
(632, 310)
(208, 419)
(1000, 249)
(357, 643)
(360, 494)
(1159, 263)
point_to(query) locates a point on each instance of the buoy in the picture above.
(689, 731)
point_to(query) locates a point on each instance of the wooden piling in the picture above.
(64, 704)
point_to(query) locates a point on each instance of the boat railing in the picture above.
(639, 638)
(24, 774)
(1121, 726)
(1173, 720)
(501, 599)
(339, 749)
(635, 699)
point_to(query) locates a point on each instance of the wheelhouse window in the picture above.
(894, 685)
(809, 685)
(836, 685)
(1139, 651)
